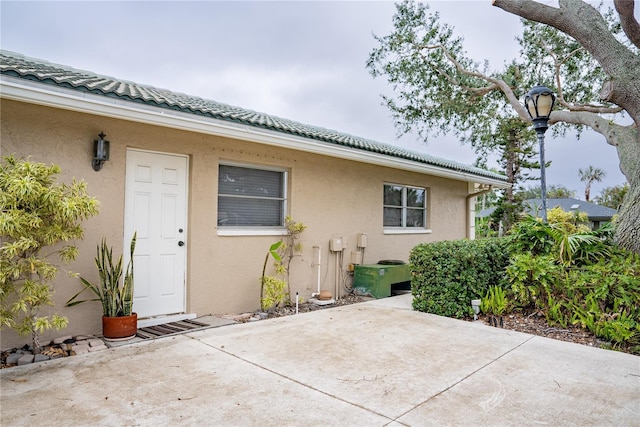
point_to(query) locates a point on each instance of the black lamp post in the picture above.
(539, 103)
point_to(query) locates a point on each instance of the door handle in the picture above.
(180, 243)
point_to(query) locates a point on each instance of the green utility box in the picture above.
(376, 280)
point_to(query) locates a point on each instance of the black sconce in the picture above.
(100, 152)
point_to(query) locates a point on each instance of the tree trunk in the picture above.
(35, 342)
(628, 227)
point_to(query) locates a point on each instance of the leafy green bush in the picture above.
(568, 273)
(532, 278)
(602, 297)
(39, 221)
(448, 275)
(568, 239)
(531, 235)
(605, 299)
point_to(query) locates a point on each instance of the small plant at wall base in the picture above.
(274, 290)
(291, 246)
(36, 213)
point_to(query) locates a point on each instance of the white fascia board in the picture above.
(85, 102)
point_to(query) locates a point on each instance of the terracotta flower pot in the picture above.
(119, 328)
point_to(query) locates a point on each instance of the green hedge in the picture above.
(448, 275)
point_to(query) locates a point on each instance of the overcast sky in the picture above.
(304, 61)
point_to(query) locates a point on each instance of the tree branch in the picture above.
(628, 21)
(495, 83)
(584, 23)
(606, 128)
(577, 19)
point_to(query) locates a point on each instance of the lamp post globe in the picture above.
(539, 103)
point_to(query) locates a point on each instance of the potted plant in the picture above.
(114, 292)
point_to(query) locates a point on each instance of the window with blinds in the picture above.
(251, 197)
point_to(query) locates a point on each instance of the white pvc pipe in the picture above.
(337, 289)
(318, 265)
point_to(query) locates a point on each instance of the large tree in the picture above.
(513, 143)
(553, 192)
(588, 58)
(612, 196)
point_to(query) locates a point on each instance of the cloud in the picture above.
(302, 60)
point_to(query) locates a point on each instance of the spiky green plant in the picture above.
(116, 298)
(494, 302)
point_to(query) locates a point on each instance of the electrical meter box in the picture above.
(377, 280)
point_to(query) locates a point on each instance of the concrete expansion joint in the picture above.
(264, 368)
(441, 392)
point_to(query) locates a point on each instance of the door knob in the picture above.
(180, 243)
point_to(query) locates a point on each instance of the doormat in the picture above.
(173, 328)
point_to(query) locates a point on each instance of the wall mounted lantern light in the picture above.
(100, 152)
(539, 103)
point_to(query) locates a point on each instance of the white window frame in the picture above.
(247, 230)
(403, 229)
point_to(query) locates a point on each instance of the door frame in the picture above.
(158, 319)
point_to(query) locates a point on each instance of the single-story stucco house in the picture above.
(207, 187)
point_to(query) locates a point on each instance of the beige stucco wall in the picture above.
(333, 197)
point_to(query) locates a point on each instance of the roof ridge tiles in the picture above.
(19, 65)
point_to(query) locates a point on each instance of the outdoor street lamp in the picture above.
(539, 103)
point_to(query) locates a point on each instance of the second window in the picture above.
(405, 206)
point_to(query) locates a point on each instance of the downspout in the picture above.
(485, 190)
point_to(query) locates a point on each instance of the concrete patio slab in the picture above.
(372, 364)
(542, 382)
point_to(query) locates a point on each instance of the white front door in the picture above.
(155, 208)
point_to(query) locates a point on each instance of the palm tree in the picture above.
(589, 176)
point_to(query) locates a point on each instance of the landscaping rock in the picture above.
(40, 358)
(60, 340)
(81, 348)
(26, 359)
(12, 359)
(84, 337)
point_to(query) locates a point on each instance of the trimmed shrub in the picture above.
(446, 276)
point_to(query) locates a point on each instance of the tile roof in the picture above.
(533, 207)
(595, 212)
(20, 66)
